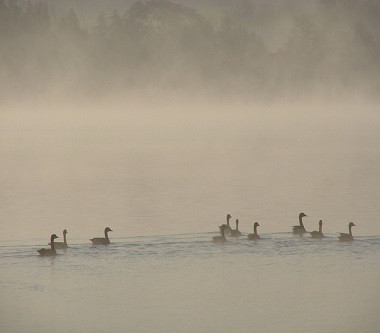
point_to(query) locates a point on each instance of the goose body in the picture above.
(235, 232)
(61, 245)
(347, 237)
(318, 234)
(299, 229)
(227, 228)
(49, 252)
(222, 237)
(102, 240)
(254, 236)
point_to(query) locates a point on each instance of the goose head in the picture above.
(351, 224)
(54, 236)
(65, 232)
(256, 224)
(302, 215)
(107, 229)
(320, 222)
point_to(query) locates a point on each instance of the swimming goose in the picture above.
(228, 228)
(347, 237)
(236, 232)
(222, 237)
(51, 251)
(61, 245)
(102, 240)
(318, 234)
(299, 229)
(254, 235)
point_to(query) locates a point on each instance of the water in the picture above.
(163, 180)
(185, 282)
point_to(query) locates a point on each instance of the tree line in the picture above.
(168, 47)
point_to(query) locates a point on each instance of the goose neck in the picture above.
(52, 246)
(300, 220)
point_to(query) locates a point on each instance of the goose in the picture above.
(299, 229)
(347, 237)
(236, 232)
(51, 251)
(222, 237)
(102, 240)
(227, 226)
(61, 245)
(318, 234)
(254, 236)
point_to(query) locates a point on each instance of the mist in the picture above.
(245, 51)
(157, 119)
(253, 98)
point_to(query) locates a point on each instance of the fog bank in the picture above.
(248, 50)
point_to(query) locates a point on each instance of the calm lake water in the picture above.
(187, 283)
(164, 179)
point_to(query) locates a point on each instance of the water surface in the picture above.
(185, 282)
(163, 178)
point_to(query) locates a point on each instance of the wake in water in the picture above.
(225, 230)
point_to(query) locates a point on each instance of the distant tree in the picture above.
(231, 37)
(170, 40)
(36, 18)
(70, 23)
(100, 30)
(116, 23)
(303, 54)
(5, 17)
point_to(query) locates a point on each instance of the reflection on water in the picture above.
(185, 282)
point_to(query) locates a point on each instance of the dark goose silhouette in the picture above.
(227, 226)
(222, 237)
(254, 236)
(62, 245)
(299, 229)
(51, 251)
(102, 240)
(347, 237)
(318, 234)
(235, 232)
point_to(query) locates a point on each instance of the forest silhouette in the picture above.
(159, 45)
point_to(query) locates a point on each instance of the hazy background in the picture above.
(161, 117)
(158, 119)
(256, 50)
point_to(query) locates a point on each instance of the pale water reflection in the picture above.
(187, 283)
